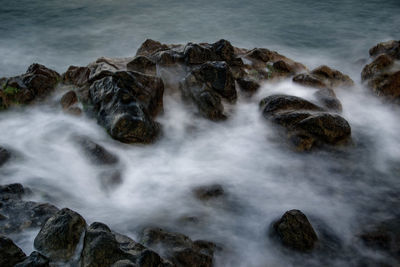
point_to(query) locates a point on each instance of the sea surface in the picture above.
(339, 191)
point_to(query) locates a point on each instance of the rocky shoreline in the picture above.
(125, 96)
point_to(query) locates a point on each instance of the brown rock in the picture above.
(77, 76)
(390, 48)
(149, 47)
(379, 65)
(332, 77)
(142, 64)
(68, 99)
(309, 80)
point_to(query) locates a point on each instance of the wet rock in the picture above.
(208, 192)
(197, 54)
(307, 124)
(149, 47)
(68, 99)
(96, 153)
(390, 48)
(283, 67)
(35, 84)
(125, 102)
(60, 235)
(5, 155)
(178, 248)
(387, 85)
(34, 260)
(309, 80)
(383, 236)
(77, 76)
(327, 98)
(379, 65)
(10, 254)
(248, 85)
(11, 191)
(332, 77)
(142, 64)
(295, 231)
(124, 263)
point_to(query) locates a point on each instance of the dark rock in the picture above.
(60, 235)
(387, 85)
(124, 263)
(35, 84)
(95, 152)
(178, 248)
(149, 258)
(332, 77)
(11, 191)
(295, 231)
(149, 47)
(284, 67)
(248, 85)
(275, 103)
(10, 254)
(197, 54)
(390, 48)
(77, 76)
(34, 260)
(328, 99)
(208, 192)
(142, 64)
(168, 58)
(125, 102)
(309, 80)
(68, 99)
(5, 155)
(379, 65)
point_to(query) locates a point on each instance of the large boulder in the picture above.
(10, 254)
(77, 76)
(323, 77)
(390, 48)
(178, 248)
(125, 104)
(60, 235)
(295, 231)
(307, 124)
(35, 84)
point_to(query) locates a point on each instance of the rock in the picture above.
(387, 85)
(34, 260)
(125, 102)
(60, 235)
(332, 77)
(149, 47)
(309, 80)
(248, 85)
(307, 124)
(208, 192)
(379, 65)
(5, 155)
(178, 248)
(383, 236)
(77, 76)
(10, 254)
(295, 231)
(68, 99)
(96, 153)
(142, 64)
(18, 214)
(124, 263)
(35, 84)
(327, 98)
(390, 48)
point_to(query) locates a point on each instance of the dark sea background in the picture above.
(340, 192)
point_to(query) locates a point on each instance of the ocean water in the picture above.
(339, 191)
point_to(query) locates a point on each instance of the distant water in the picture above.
(340, 192)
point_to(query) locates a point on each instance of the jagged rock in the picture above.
(208, 192)
(142, 64)
(178, 248)
(390, 48)
(149, 47)
(387, 85)
(125, 102)
(77, 76)
(35, 84)
(5, 155)
(11, 191)
(307, 124)
(10, 254)
(332, 77)
(68, 99)
(60, 235)
(95, 152)
(248, 85)
(379, 65)
(34, 260)
(295, 231)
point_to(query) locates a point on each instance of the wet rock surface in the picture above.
(60, 235)
(35, 259)
(295, 231)
(10, 254)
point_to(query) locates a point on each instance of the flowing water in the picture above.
(338, 191)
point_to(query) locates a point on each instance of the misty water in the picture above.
(340, 190)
